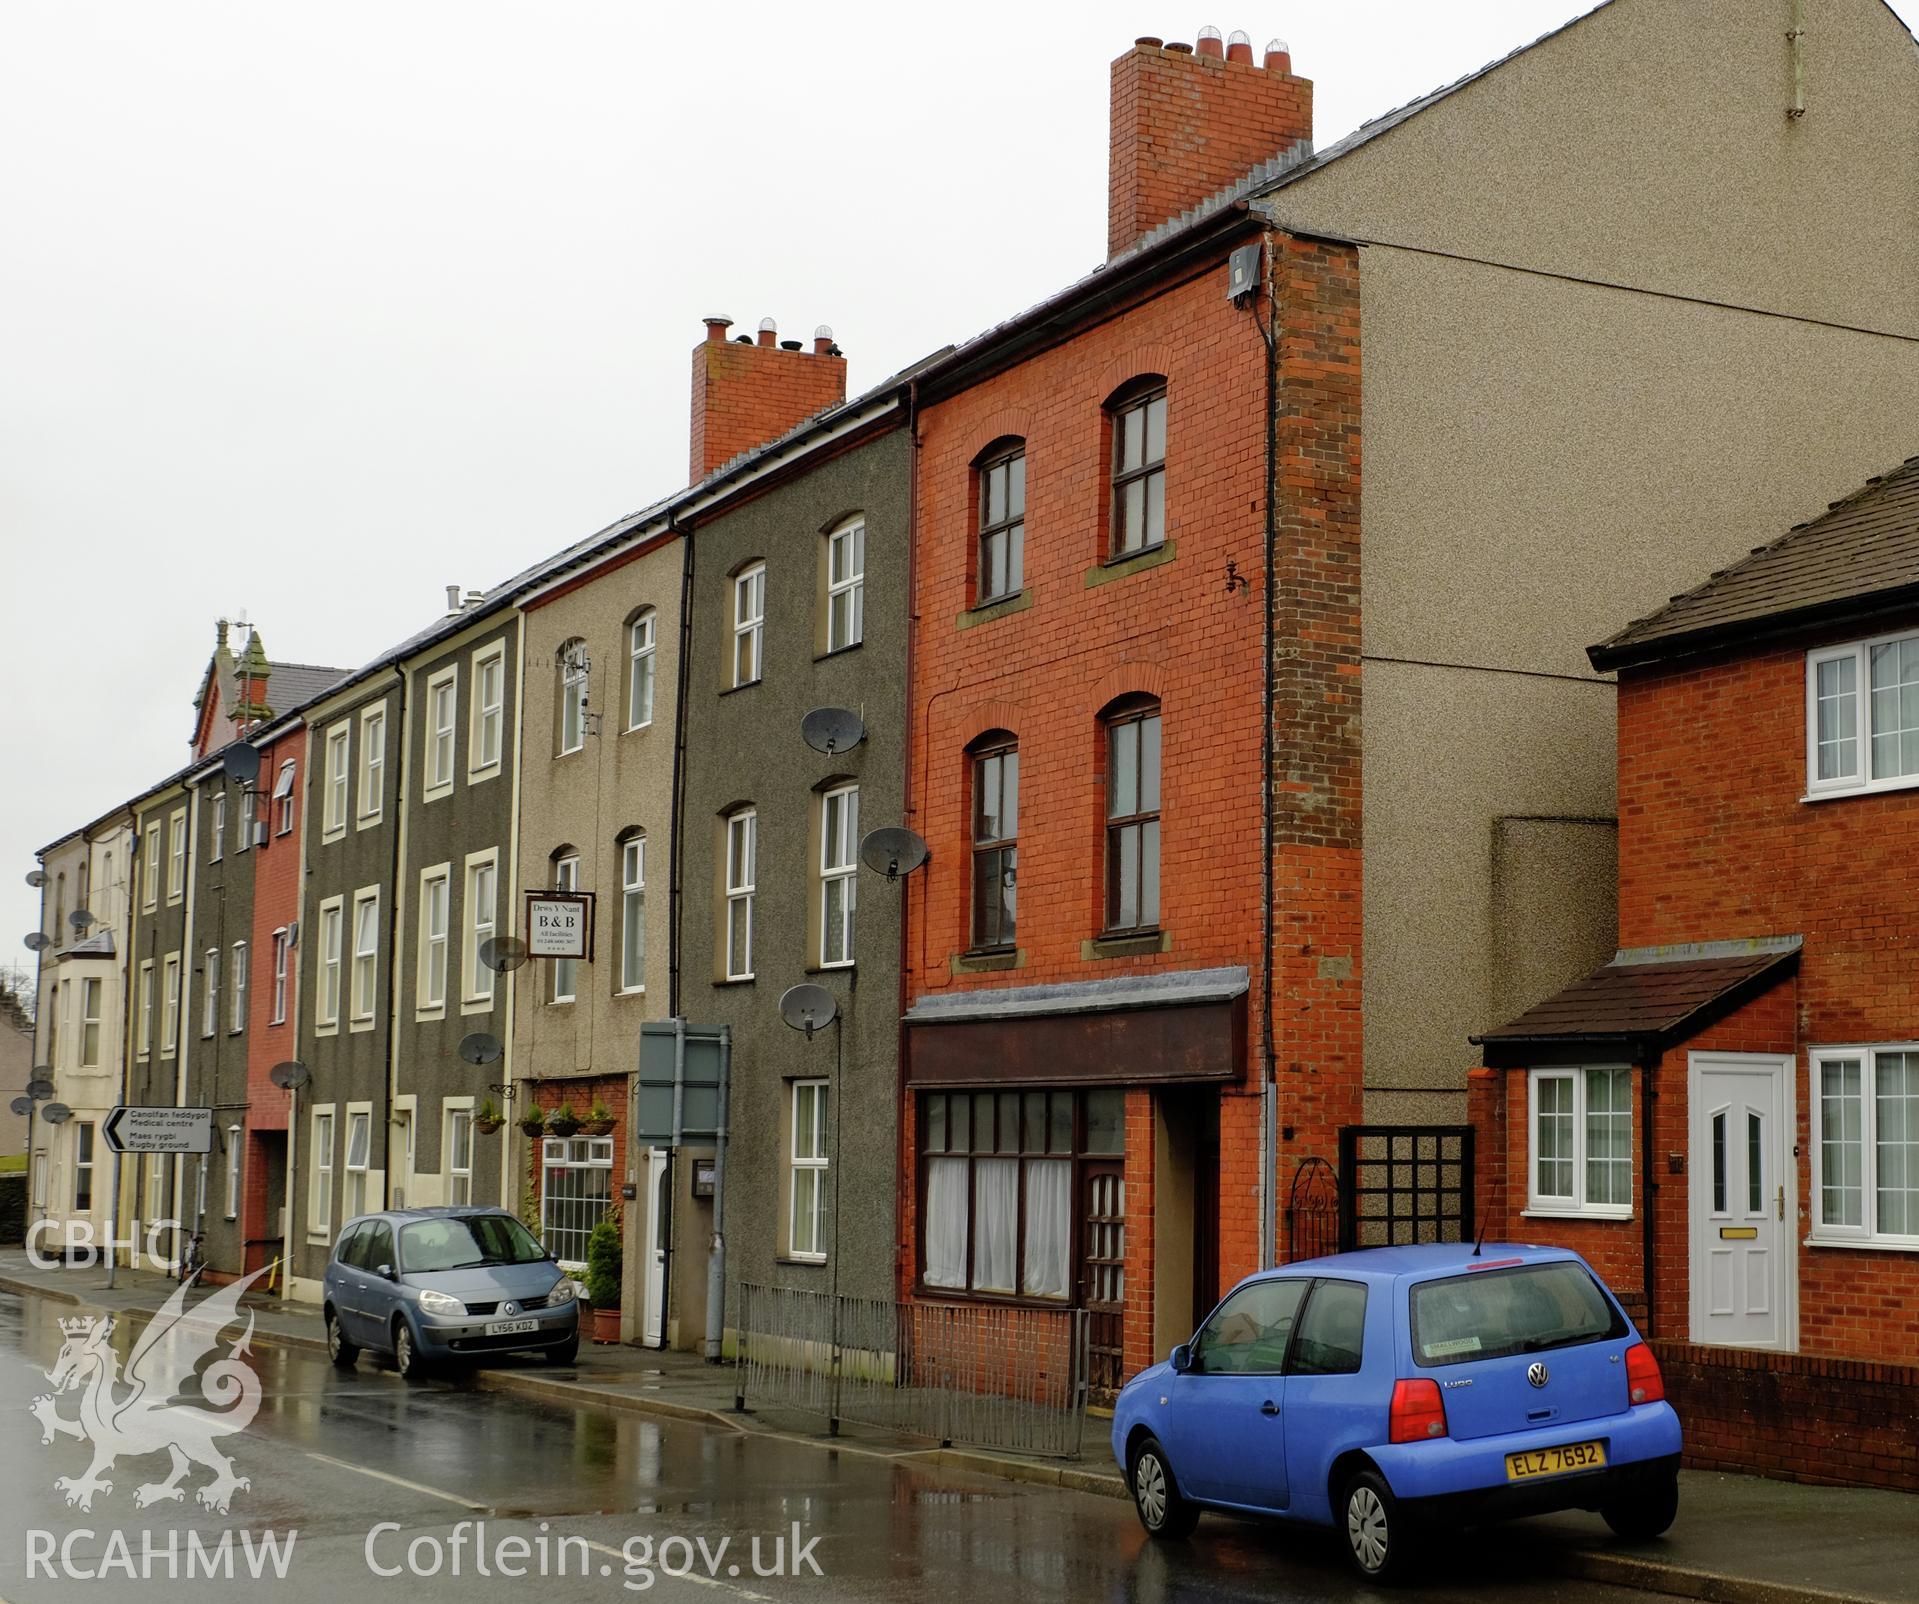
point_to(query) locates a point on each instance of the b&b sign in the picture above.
(558, 924)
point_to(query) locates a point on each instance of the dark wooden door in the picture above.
(1103, 1272)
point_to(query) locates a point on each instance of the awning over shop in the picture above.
(1644, 1001)
(1180, 1025)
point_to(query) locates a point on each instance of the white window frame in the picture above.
(477, 988)
(813, 1161)
(749, 623)
(169, 1005)
(1540, 1203)
(244, 841)
(572, 1153)
(233, 1172)
(210, 992)
(442, 733)
(740, 886)
(839, 865)
(458, 1115)
(359, 1117)
(435, 943)
(237, 985)
(333, 814)
(486, 736)
(283, 797)
(330, 963)
(176, 855)
(1860, 781)
(575, 672)
(92, 1011)
(150, 869)
(563, 978)
(143, 1028)
(363, 984)
(372, 798)
(640, 663)
(1866, 1234)
(632, 889)
(218, 832)
(851, 585)
(86, 1153)
(282, 964)
(320, 1173)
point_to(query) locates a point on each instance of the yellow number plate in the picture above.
(1556, 1461)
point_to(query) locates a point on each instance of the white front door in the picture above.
(1743, 1200)
(658, 1182)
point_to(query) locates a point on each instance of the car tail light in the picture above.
(1644, 1383)
(1417, 1413)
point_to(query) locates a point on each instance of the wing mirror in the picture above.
(385, 1272)
(1181, 1358)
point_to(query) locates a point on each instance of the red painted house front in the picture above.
(1765, 1003)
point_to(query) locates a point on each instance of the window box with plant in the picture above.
(563, 1121)
(487, 1118)
(598, 1121)
(605, 1261)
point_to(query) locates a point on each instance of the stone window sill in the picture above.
(973, 617)
(985, 962)
(1132, 563)
(1131, 945)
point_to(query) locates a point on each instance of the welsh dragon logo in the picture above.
(142, 1413)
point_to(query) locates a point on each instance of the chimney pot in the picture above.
(1210, 43)
(769, 332)
(452, 598)
(1180, 49)
(1147, 42)
(1279, 56)
(716, 328)
(823, 340)
(789, 345)
(1239, 46)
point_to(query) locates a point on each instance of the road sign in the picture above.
(158, 1130)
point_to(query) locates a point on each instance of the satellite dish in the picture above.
(242, 763)
(56, 1113)
(832, 729)
(808, 1007)
(21, 1105)
(40, 1087)
(893, 851)
(481, 1047)
(36, 877)
(80, 919)
(290, 1076)
(39, 941)
(502, 953)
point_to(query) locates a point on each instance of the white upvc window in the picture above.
(233, 1172)
(372, 765)
(1865, 1145)
(320, 1167)
(150, 868)
(326, 1007)
(282, 957)
(1862, 716)
(143, 1029)
(244, 836)
(83, 1166)
(210, 992)
(846, 585)
(177, 855)
(806, 1173)
(565, 974)
(333, 821)
(1579, 1141)
(574, 669)
(576, 1192)
(169, 1004)
(436, 889)
(742, 831)
(366, 953)
(633, 914)
(459, 1155)
(218, 833)
(442, 713)
(484, 739)
(482, 915)
(359, 1149)
(749, 622)
(283, 797)
(839, 873)
(159, 1169)
(639, 680)
(91, 991)
(237, 984)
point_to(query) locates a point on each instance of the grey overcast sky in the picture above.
(309, 310)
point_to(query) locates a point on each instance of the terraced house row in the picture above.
(1218, 624)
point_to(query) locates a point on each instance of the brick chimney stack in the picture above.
(1186, 123)
(747, 392)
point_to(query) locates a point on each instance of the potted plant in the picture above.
(598, 1121)
(563, 1121)
(487, 1118)
(533, 1122)
(604, 1262)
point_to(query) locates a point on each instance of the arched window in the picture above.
(1138, 415)
(1002, 520)
(632, 845)
(995, 901)
(1132, 815)
(741, 869)
(639, 669)
(749, 622)
(566, 971)
(571, 659)
(846, 584)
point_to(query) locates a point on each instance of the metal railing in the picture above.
(976, 1373)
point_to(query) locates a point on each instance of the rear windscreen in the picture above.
(1489, 1313)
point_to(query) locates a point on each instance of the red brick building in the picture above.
(1725, 1119)
(1128, 592)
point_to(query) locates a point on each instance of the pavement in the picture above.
(1739, 1539)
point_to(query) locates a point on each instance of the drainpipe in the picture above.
(1268, 1092)
(392, 901)
(1648, 1102)
(123, 943)
(907, 808)
(716, 1264)
(676, 858)
(183, 1014)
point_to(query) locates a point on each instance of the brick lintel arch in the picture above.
(1129, 679)
(999, 424)
(1156, 357)
(983, 717)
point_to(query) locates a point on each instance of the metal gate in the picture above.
(1103, 1217)
(1312, 1211)
(1400, 1184)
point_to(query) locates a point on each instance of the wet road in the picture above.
(377, 1477)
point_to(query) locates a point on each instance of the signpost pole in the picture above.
(113, 1226)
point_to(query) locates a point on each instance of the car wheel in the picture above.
(1646, 1513)
(406, 1352)
(567, 1353)
(1376, 1536)
(339, 1350)
(1162, 1511)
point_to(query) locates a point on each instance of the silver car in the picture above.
(428, 1285)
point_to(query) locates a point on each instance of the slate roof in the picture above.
(1859, 556)
(1645, 1001)
(292, 685)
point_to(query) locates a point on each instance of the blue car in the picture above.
(434, 1284)
(1392, 1391)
